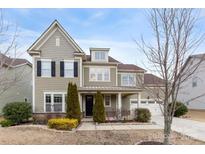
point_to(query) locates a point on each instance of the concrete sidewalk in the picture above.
(187, 127)
(111, 126)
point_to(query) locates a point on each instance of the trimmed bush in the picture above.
(180, 109)
(99, 109)
(142, 115)
(63, 123)
(6, 123)
(17, 112)
(73, 106)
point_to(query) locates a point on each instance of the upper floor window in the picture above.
(100, 56)
(99, 74)
(128, 79)
(57, 41)
(68, 69)
(46, 68)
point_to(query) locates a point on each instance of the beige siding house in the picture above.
(58, 60)
(19, 74)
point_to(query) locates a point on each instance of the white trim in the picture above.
(129, 85)
(110, 101)
(107, 68)
(46, 39)
(33, 82)
(52, 93)
(98, 66)
(69, 61)
(80, 65)
(61, 29)
(116, 76)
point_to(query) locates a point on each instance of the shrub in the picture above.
(63, 123)
(180, 109)
(17, 112)
(99, 109)
(6, 123)
(142, 115)
(73, 106)
(40, 119)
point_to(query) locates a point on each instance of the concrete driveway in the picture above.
(190, 128)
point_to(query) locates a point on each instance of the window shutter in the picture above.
(38, 68)
(75, 69)
(53, 68)
(62, 68)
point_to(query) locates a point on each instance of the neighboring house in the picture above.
(15, 80)
(58, 59)
(192, 91)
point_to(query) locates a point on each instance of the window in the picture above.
(128, 79)
(151, 102)
(57, 41)
(194, 82)
(99, 74)
(143, 102)
(54, 102)
(58, 102)
(107, 101)
(46, 69)
(68, 69)
(100, 55)
(48, 103)
(134, 102)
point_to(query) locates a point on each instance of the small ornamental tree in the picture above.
(73, 106)
(99, 109)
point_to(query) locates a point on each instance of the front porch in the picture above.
(116, 102)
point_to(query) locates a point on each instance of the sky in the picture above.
(107, 28)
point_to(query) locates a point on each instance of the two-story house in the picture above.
(58, 59)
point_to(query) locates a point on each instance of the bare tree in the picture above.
(8, 45)
(175, 38)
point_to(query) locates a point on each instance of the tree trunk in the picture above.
(167, 131)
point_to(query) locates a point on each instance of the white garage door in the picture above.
(153, 106)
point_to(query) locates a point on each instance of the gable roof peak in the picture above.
(50, 28)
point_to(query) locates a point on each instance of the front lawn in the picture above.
(35, 135)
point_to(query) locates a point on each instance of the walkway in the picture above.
(115, 126)
(190, 128)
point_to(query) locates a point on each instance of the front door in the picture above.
(89, 105)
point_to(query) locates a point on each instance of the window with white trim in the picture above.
(57, 41)
(128, 79)
(100, 55)
(54, 102)
(46, 68)
(107, 101)
(68, 69)
(99, 74)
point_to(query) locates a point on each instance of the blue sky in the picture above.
(113, 28)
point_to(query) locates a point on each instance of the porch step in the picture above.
(87, 120)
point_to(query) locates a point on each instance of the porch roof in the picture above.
(108, 89)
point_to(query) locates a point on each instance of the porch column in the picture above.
(139, 100)
(80, 102)
(119, 105)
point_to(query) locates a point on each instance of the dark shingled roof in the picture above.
(110, 59)
(13, 61)
(152, 79)
(130, 67)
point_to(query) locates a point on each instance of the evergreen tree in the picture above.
(98, 108)
(69, 101)
(76, 105)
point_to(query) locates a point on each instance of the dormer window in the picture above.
(99, 54)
